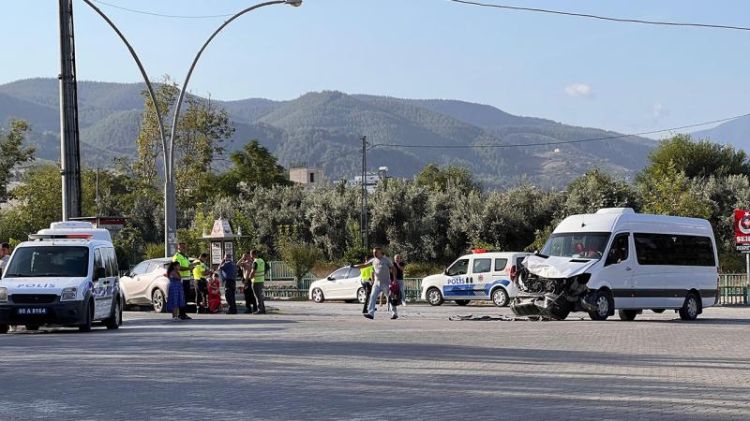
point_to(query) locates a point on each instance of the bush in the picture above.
(154, 251)
(422, 269)
(300, 257)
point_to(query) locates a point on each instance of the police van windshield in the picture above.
(577, 245)
(49, 261)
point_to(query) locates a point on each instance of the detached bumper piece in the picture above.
(545, 306)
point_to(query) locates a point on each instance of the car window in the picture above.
(340, 274)
(500, 264)
(140, 269)
(481, 265)
(98, 261)
(110, 261)
(460, 267)
(353, 273)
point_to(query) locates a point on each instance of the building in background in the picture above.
(372, 179)
(306, 176)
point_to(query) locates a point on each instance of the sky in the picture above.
(623, 77)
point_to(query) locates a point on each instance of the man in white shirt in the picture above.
(384, 273)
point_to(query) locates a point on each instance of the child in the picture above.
(176, 294)
(214, 294)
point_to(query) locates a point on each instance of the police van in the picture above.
(482, 275)
(66, 275)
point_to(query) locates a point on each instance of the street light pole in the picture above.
(170, 199)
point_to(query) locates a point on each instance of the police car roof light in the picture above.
(479, 251)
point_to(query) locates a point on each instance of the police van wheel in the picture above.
(4, 329)
(361, 295)
(462, 302)
(691, 308)
(500, 297)
(86, 326)
(116, 319)
(434, 297)
(317, 295)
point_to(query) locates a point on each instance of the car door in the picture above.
(500, 274)
(618, 271)
(102, 300)
(136, 284)
(334, 288)
(479, 277)
(457, 280)
(351, 284)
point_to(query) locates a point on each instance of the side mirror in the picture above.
(331, 278)
(99, 273)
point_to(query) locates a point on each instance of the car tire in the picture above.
(317, 295)
(32, 328)
(86, 326)
(361, 296)
(159, 301)
(4, 329)
(434, 297)
(500, 297)
(691, 308)
(115, 320)
(627, 315)
(462, 302)
(604, 305)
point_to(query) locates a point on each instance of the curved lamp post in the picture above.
(170, 211)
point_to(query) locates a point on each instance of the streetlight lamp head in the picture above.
(295, 3)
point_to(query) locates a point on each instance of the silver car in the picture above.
(147, 284)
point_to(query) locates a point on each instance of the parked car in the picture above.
(481, 275)
(343, 284)
(147, 285)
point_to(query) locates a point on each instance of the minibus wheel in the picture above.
(603, 306)
(691, 308)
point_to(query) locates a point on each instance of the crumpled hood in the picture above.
(556, 267)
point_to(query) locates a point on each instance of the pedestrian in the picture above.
(228, 274)
(258, 279)
(184, 267)
(383, 273)
(201, 272)
(246, 265)
(214, 294)
(400, 265)
(4, 256)
(366, 274)
(175, 293)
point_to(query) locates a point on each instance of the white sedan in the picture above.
(343, 284)
(147, 284)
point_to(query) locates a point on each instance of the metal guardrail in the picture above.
(733, 289)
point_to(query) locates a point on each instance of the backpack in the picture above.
(394, 293)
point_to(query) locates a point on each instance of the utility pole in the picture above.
(70, 154)
(363, 215)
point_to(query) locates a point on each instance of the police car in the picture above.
(481, 275)
(63, 276)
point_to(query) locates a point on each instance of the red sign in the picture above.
(742, 227)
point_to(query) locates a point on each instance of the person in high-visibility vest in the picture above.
(366, 274)
(201, 272)
(258, 278)
(185, 266)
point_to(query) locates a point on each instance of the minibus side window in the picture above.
(674, 250)
(619, 251)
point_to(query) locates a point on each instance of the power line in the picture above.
(562, 142)
(605, 18)
(143, 12)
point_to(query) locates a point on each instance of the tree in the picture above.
(436, 178)
(13, 153)
(301, 257)
(696, 159)
(596, 190)
(254, 166)
(670, 192)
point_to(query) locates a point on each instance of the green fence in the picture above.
(733, 289)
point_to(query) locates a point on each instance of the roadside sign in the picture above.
(742, 230)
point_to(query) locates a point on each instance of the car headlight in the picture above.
(3, 295)
(68, 294)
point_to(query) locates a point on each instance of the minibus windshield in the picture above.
(577, 245)
(49, 261)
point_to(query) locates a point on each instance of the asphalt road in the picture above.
(325, 361)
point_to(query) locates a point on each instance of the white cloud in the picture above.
(579, 90)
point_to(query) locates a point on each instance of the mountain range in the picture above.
(324, 129)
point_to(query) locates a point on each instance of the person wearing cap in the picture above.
(4, 256)
(185, 268)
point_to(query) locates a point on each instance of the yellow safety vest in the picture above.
(199, 272)
(260, 271)
(184, 265)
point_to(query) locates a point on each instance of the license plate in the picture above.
(34, 311)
